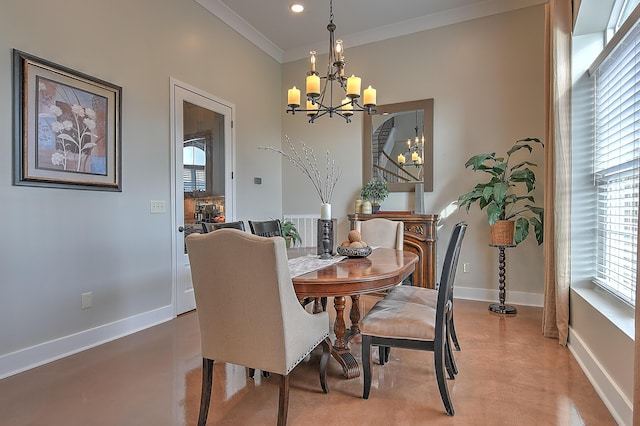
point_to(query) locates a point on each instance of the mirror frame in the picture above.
(426, 105)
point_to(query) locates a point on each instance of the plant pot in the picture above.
(375, 207)
(502, 233)
(287, 240)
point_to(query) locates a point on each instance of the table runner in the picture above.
(311, 262)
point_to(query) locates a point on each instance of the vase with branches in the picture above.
(307, 163)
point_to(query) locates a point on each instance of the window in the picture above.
(622, 9)
(617, 166)
(194, 167)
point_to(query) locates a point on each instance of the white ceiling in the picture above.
(287, 36)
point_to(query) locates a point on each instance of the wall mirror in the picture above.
(397, 145)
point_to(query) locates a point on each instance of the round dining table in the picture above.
(381, 270)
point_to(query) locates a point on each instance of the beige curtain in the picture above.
(558, 19)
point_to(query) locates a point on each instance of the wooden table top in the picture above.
(381, 270)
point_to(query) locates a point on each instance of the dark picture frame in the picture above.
(67, 127)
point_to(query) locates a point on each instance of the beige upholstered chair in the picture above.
(381, 232)
(393, 323)
(256, 326)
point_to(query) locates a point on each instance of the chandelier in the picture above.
(321, 102)
(415, 149)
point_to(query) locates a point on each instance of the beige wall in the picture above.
(59, 243)
(486, 77)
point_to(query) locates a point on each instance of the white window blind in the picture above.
(617, 166)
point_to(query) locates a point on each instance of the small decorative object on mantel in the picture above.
(375, 191)
(419, 199)
(308, 165)
(507, 195)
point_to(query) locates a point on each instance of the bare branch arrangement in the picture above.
(307, 164)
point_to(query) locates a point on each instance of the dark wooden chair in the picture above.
(266, 228)
(394, 323)
(429, 296)
(208, 227)
(221, 225)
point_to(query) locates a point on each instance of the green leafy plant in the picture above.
(375, 191)
(507, 194)
(289, 230)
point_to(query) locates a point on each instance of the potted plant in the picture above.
(290, 233)
(375, 191)
(507, 194)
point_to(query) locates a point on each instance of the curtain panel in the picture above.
(557, 201)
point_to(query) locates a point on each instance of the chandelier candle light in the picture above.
(318, 101)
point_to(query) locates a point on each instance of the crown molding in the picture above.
(423, 23)
(235, 21)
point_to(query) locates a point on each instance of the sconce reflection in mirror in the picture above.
(398, 145)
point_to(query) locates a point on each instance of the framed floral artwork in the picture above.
(66, 126)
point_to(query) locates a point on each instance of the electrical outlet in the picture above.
(87, 300)
(466, 267)
(157, 206)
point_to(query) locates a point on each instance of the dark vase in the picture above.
(375, 208)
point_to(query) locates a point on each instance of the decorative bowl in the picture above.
(354, 252)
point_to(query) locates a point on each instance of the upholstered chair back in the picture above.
(247, 309)
(381, 232)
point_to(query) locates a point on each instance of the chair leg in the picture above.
(452, 331)
(366, 365)
(449, 361)
(252, 373)
(439, 361)
(283, 400)
(205, 395)
(324, 361)
(383, 354)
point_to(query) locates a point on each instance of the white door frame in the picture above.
(176, 200)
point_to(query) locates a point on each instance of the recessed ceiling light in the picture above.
(296, 8)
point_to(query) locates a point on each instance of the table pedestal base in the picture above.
(503, 309)
(348, 362)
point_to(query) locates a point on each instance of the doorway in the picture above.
(202, 175)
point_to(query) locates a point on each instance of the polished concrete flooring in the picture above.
(509, 374)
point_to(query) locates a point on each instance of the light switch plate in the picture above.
(157, 206)
(87, 300)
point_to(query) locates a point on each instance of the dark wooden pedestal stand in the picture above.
(501, 308)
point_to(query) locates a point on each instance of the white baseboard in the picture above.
(487, 295)
(615, 400)
(43, 353)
